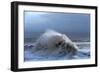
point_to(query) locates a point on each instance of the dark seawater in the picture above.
(43, 55)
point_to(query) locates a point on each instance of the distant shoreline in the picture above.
(73, 42)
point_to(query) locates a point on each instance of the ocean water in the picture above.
(57, 54)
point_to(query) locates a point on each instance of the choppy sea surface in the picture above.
(43, 55)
